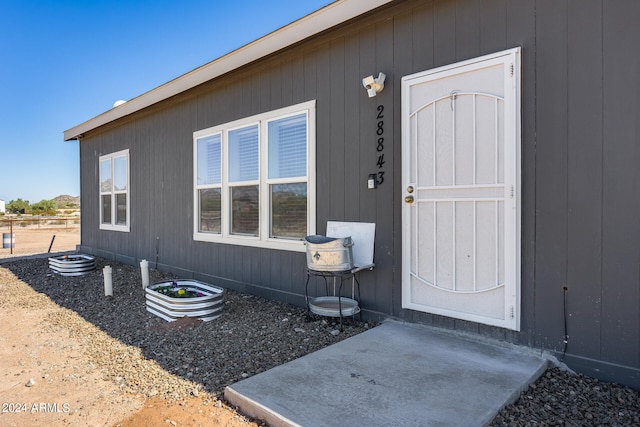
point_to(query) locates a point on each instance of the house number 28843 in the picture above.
(380, 145)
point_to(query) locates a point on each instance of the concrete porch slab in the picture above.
(393, 375)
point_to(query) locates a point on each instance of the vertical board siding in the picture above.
(422, 40)
(275, 93)
(584, 170)
(337, 164)
(551, 167)
(297, 81)
(404, 53)
(621, 181)
(325, 199)
(145, 178)
(385, 194)
(468, 36)
(580, 151)
(444, 33)
(365, 203)
(355, 170)
(492, 34)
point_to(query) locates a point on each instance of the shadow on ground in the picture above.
(253, 334)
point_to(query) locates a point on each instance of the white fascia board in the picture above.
(331, 15)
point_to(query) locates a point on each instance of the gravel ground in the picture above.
(148, 356)
(561, 398)
(252, 335)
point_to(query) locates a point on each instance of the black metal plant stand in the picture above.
(326, 306)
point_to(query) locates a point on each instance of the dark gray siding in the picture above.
(621, 190)
(586, 200)
(584, 176)
(580, 151)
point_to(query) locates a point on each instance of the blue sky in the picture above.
(65, 62)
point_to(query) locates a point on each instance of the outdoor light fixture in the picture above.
(374, 86)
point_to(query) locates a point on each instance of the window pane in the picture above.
(288, 147)
(209, 160)
(106, 209)
(243, 154)
(121, 209)
(105, 176)
(245, 212)
(210, 210)
(120, 174)
(289, 210)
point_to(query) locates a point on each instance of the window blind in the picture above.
(288, 147)
(209, 160)
(243, 154)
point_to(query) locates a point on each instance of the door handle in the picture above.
(408, 199)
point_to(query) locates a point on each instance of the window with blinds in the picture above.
(243, 154)
(209, 154)
(209, 183)
(288, 147)
(114, 191)
(287, 142)
(253, 184)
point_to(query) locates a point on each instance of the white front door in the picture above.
(461, 190)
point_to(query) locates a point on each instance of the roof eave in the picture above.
(331, 15)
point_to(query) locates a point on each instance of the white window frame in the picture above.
(263, 240)
(113, 226)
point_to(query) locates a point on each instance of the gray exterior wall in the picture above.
(580, 150)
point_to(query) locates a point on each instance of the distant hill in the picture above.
(65, 200)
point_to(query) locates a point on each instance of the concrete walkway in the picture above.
(393, 375)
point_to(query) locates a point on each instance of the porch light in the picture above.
(374, 85)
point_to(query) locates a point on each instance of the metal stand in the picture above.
(326, 306)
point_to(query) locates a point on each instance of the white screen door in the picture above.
(461, 190)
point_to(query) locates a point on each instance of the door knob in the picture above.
(408, 199)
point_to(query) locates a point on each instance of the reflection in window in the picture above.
(210, 210)
(254, 183)
(120, 174)
(245, 214)
(106, 209)
(121, 209)
(209, 167)
(114, 191)
(289, 210)
(105, 176)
